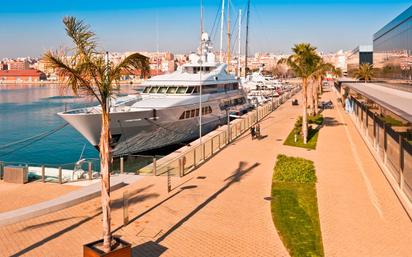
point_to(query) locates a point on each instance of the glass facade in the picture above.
(393, 49)
(360, 55)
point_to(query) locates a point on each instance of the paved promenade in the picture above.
(222, 209)
(28, 194)
(360, 215)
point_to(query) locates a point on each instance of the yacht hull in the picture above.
(135, 132)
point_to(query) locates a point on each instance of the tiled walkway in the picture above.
(223, 209)
(360, 215)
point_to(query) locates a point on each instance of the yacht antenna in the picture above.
(239, 43)
(228, 35)
(247, 35)
(200, 77)
(157, 43)
(222, 20)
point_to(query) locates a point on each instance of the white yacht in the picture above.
(168, 110)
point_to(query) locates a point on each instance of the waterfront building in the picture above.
(15, 76)
(393, 49)
(18, 65)
(360, 55)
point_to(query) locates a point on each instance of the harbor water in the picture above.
(28, 112)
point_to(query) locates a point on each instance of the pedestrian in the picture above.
(252, 132)
(258, 130)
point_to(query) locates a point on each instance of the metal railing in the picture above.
(57, 173)
(389, 146)
(194, 155)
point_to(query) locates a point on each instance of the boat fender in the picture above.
(154, 114)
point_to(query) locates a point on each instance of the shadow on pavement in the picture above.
(331, 122)
(148, 249)
(237, 175)
(54, 236)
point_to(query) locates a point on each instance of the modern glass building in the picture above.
(393, 49)
(360, 55)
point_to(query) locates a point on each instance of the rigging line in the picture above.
(259, 17)
(81, 155)
(29, 138)
(31, 143)
(213, 31)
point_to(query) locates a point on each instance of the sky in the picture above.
(31, 27)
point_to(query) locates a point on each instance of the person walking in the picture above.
(258, 130)
(253, 132)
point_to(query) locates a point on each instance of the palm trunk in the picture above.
(318, 86)
(305, 110)
(314, 96)
(105, 159)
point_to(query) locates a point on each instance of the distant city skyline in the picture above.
(31, 28)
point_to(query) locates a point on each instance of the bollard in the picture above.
(125, 207)
(154, 166)
(181, 167)
(169, 182)
(121, 165)
(89, 170)
(60, 176)
(203, 152)
(43, 174)
(1, 170)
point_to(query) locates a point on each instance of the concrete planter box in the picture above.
(122, 249)
(15, 174)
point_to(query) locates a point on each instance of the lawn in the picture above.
(294, 206)
(312, 139)
(312, 133)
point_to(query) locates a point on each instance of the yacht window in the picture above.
(146, 90)
(196, 91)
(187, 114)
(235, 86)
(227, 87)
(197, 112)
(206, 110)
(162, 90)
(192, 113)
(181, 90)
(208, 89)
(182, 116)
(190, 90)
(154, 90)
(172, 90)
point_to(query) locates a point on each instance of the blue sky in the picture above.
(29, 27)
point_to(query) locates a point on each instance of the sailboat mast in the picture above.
(247, 35)
(239, 43)
(157, 44)
(228, 35)
(200, 77)
(222, 20)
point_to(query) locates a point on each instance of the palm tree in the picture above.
(337, 72)
(88, 72)
(303, 62)
(320, 72)
(365, 72)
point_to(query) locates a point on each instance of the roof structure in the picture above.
(397, 101)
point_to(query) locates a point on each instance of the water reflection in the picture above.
(27, 110)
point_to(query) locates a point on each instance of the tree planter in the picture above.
(120, 249)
